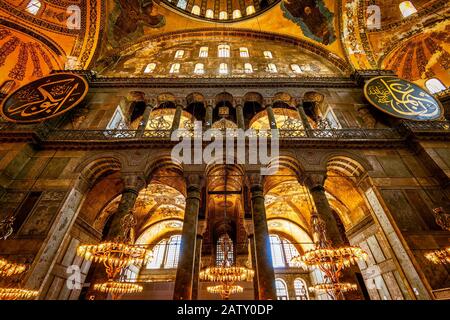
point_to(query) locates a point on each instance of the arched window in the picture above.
(224, 51)
(224, 243)
(33, 6)
(268, 55)
(244, 52)
(203, 53)
(296, 68)
(175, 68)
(223, 68)
(237, 14)
(199, 68)
(223, 15)
(282, 293)
(282, 251)
(434, 86)
(272, 68)
(150, 68)
(182, 4)
(179, 54)
(196, 10)
(407, 8)
(250, 10)
(301, 290)
(166, 253)
(209, 14)
(248, 68)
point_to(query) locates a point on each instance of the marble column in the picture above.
(208, 117)
(315, 184)
(263, 254)
(145, 118)
(303, 116)
(201, 227)
(271, 117)
(133, 184)
(177, 118)
(185, 270)
(240, 116)
(248, 224)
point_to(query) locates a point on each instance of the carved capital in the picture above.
(315, 180)
(254, 180)
(133, 181)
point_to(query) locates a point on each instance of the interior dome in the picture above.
(221, 10)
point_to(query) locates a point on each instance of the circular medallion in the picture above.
(402, 99)
(45, 98)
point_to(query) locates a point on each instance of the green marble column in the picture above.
(208, 117)
(145, 118)
(185, 271)
(303, 117)
(263, 254)
(240, 117)
(271, 116)
(177, 118)
(198, 256)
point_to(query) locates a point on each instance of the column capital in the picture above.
(298, 102)
(254, 180)
(133, 181)
(315, 180)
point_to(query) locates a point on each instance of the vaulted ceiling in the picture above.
(108, 28)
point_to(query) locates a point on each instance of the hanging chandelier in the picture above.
(225, 290)
(116, 256)
(116, 288)
(227, 274)
(17, 294)
(331, 261)
(8, 269)
(440, 256)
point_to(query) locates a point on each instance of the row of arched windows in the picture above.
(223, 15)
(223, 51)
(300, 289)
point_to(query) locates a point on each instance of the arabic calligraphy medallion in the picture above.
(45, 98)
(402, 99)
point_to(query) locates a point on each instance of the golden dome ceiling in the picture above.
(221, 10)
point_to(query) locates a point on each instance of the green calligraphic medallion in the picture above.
(402, 99)
(45, 98)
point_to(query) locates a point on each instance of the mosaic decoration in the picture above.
(129, 17)
(313, 17)
(402, 99)
(45, 98)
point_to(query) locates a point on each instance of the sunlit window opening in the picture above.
(179, 54)
(243, 52)
(248, 68)
(282, 251)
(196, 10)
(407, 8)
(166, 253)
(224, 242)
(250, 10)
(209, 14)
(175, 68)
(296, 68)
(434, 86)
(199, 68)
(224, 51)
(182, 4)
(301, 290)
(203, 53)
(237, 14)
(223, 68)
(282, 293)
(268, 55)
(272, 68)
(223, 15)
(150, 68)
(33, 6)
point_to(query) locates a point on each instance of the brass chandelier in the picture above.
(330, 260)
(10, 269)
(116, 256)
(440, 256)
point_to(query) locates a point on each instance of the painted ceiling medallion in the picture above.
(402, 99)
(45, 98)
